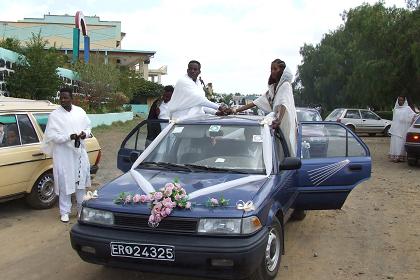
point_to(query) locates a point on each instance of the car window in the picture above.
(227, 147)
(335, 114)
(137, 140)
(368, 115)
(417, 121)
(308, 116)
(9, 133)
(352, 114)
(329, 140)
(27, 131)
(42, 119)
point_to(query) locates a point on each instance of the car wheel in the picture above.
(42, 195)
(298, 215)
(352, 128)
(272, 257)
(386, 131)
(412, 161)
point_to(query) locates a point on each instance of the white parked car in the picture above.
(412, 143)
(361, 121)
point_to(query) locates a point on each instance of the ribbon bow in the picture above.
(246, 206)
(268, 120)
(89, 195)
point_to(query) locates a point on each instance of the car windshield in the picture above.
(308, 116)
(224, 148)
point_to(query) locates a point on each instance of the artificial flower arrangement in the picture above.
(163, 202)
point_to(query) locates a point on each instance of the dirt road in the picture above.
(375, 236)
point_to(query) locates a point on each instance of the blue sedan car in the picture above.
(240, 186)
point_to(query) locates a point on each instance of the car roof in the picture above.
(226, 120)
(11, 104)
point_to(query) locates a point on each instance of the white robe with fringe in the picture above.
(68, 161)
(283, 95)
(402, 119)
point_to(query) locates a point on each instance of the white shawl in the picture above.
(187, 98)
(283, 95)
(401, 119)
(70, 164)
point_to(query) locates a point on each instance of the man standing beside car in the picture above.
(67, 128)
(158, 110)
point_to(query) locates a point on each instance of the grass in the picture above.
(118, 126)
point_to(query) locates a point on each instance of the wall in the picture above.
(140, 109)
(107, 119)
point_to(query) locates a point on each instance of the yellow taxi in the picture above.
(24, 170)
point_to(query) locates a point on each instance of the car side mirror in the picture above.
(134, 155)
(290, 163)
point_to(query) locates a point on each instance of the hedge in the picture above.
(385, 114)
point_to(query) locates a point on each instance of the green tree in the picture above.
(11, 44)
(98, 84)
(368, 60)
(35, 74)
(143, 89)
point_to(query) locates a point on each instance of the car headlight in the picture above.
(95, 216)
(229, 226)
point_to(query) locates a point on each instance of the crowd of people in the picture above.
(68, 126)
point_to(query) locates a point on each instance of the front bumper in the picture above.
(413, 150)
(193, 253)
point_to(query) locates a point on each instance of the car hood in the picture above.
(189, 181)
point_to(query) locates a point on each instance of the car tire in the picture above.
(386, 131)
(298, 215)
(270, 263)
(412, 161)
(42, 195)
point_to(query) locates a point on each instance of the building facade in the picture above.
(105, 39)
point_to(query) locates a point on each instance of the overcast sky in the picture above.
(235, 40)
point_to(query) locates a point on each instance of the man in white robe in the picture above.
(189, 98)
(403, 117)
(64, 139)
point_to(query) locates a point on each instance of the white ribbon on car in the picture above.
(246, 206)
(147, 187)
(89, 195)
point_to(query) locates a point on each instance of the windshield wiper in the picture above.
(168, 165)
(216, 169)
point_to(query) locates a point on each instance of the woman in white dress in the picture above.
(278, 99)
(403, 117)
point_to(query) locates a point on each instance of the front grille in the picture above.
(140, 222)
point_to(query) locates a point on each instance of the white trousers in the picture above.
(65, 201)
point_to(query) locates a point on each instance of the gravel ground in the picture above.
(375, 236)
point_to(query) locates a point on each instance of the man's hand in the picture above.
(73, 136)
(82, 135)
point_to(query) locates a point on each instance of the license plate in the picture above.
(143, 251)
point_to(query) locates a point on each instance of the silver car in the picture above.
(412, 143)
(361, 121)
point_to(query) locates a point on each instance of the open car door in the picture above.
(137, 141)
(334, 161)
